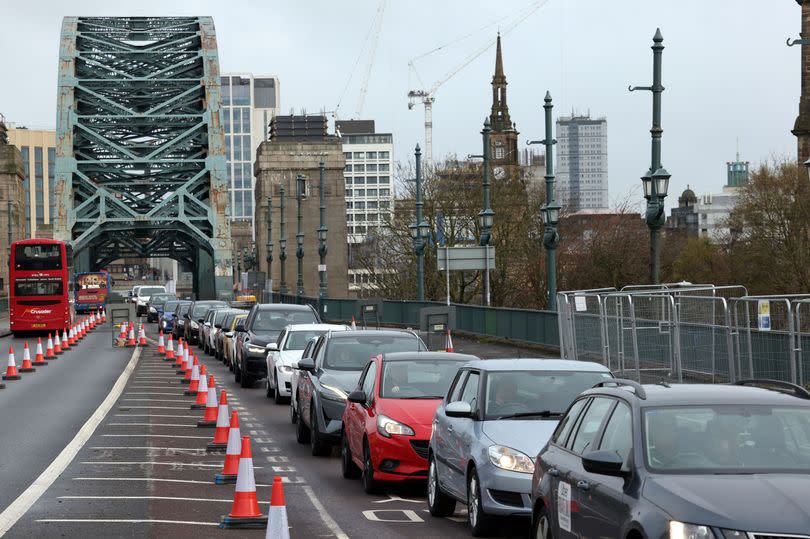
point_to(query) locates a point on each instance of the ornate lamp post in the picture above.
(282, 243)
(323, 291)
(486, 217)
(300, 194)
(419, 231)
(656, 180)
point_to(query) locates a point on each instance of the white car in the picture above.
(142, 296)
(283, 356)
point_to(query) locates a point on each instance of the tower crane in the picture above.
(427, 97)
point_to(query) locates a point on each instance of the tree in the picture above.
(701, 262)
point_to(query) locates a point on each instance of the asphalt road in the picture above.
(144, 471)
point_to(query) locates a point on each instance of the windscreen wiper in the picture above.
(544, 413)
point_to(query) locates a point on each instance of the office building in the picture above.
(38, 149)
(582, 162)
(249, 103)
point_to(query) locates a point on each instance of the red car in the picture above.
(388, 419)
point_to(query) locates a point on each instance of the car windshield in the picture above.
(297, 340)
(527, 394)
(352, 353)
(220, 316)
(278, 319)
(183, 309)
(201, 308)
(149, 290)
(170, 306)
(727, 439)
(160, 299)
(418, 379)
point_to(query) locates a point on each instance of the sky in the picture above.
(729, 77)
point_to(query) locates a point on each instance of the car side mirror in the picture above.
(458, 409)
(229, 334)
(271, 347)
(358, 396)
(201, 320)
(240, 327)
(218, 326)
(208, 324)
(306, 364)
(604, 463)
(186, 316)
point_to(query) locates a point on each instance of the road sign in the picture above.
(466, 258)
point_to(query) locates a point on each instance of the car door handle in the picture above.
(554, 472)
(450, 428)
(583, 485)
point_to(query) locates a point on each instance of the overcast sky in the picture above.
(727, 71)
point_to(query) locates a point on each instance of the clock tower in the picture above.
(504, 136)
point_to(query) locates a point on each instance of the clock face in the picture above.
(499, 173)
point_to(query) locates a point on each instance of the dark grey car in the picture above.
(680, 461)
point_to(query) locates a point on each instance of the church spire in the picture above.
(499, 117)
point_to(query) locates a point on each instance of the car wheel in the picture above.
(237, 374)
(478, 520)
(293, 412)
(301, 431)
(278, 399)
(246, 381)
(270, 392)
(541, 525)
(439, 503)
(347, 466)
(370, 485)
(319, 447)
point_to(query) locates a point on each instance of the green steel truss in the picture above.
(140, 159)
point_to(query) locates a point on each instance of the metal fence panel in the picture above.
(765, 348)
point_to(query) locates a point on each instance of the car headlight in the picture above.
(679, 530)
(333, 393)
(510, 459)
(195, 325)
(255, 349)
(387, 426)
(285, 368)
(152, 310)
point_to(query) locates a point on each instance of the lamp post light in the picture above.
(282, 243)
(300, 194)
(419, 231)
(656, 180)
(323, 291)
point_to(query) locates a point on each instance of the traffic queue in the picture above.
(563, 445)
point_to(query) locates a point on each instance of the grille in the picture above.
(506, 497)
(420, 447)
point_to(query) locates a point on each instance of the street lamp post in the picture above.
(270, 246)
(282, 243)
(656, 180)
(300, 193)
(323, 291)
(486, 217)
(419, 231)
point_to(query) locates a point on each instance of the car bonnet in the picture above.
(527, 436)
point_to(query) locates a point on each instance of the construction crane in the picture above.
(427, 97)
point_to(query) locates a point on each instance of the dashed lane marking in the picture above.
(173, 498)
(128, 407)
(154, 463)
(284, 480)
(152, 425)
(24, 501)
(155, 436)
(158, 415)
(126, 521)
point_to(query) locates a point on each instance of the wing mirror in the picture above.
(306, 364)
(229, 334)
(604, 463)
(358, 396)
(271, 347)
(458, 409)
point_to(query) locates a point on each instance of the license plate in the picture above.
(37, 325)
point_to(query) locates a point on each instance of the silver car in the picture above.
(496, 417)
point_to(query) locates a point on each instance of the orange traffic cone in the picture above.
(278, 526)
(448, 343)
(220, 440)
(39, 358)
(72, 336)
(11, 369)
(197, 370)
(57, 344)
(83, 327)
(202, 391)
(190, 362)
(131, 335)
(49, 351)
(209, 420)
(232, 452)
(245, 510)
(161, 348)
(65, 340)
(103, 316)
(181, 362)
(169, 348)
(26, 363)
(354, 324)
(142, 337)
(123, 335)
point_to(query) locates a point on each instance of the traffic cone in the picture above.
(202, 391)
(65, 340)
(180, 357)
(11, 369)
(245, 510)
(72, 336)
(169, 347)
(131, 336)
(230, 467)
(194, 381)
(161, 348)
(84, 327)
(57, 344)
(448, 343)
(26, 363)
(49, 351)
(277, 525)
(142, 337)
(220, 440)
(354, 324)
(39, 358)
(189, 372)
(103, 316)
(209, 420)
(123, 335)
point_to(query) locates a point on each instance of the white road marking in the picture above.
(24, 501)
(151, 425)
(126, 521)
(153, 479)
(181, 399)
(327, 519)
(153, 463)
(220, 500)
(158, 415)
(128, 447)
(128, 407)
(149, 393)
(155, 436)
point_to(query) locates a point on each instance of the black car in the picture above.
(680, 461)
(263, 325)
(225, 329)
(195, 316)
(325, 381)
(180, 318)
(154, 307)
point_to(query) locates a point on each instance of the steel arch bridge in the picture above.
(140, 157)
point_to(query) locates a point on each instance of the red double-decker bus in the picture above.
(40, 285)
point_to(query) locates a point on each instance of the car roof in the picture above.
(706, 395)
(538, 364)
(373, 332)
(318, 327)
(284, 306)
(428, 356)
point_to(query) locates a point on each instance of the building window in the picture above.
(359, 192)
(360, 205)
(359, 181)
(359, 155)
(385, 192)
(359, 168)
(347, 168)
(347, 155)
(348, 181)
(349, 218)
(384, 204)
(371, 155)
(241, 91)
(246, 121)
(371, 180)
(264, 93)
(371, 192)
(384, 167)
(384, 179)
(349, 192)
(499, 153)
(384, 155)
(51, 184)
(372, 217)
(349, 205)
(371, 167)
(372, 205)
(226, 92)
(246, 149)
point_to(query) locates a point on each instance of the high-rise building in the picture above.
(582, 162)
(369, 188)
(38, 148)
(249, 102)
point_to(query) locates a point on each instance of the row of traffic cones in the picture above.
(237, 467)
(54, 347)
